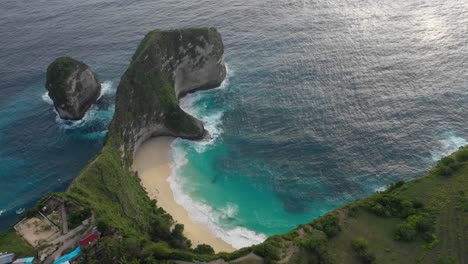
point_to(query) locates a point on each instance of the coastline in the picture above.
(153, 162)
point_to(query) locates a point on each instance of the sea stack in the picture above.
(167, 65)
(72, 86)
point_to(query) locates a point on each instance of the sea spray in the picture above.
(106, 88)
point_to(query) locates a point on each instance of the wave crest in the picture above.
(238, 237)
(447, 145)
(196, 105)
(93, 113)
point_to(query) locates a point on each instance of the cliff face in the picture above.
(166, 66)
(73, 87)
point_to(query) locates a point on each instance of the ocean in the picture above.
(326, 102)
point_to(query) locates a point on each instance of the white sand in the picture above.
(153, 163)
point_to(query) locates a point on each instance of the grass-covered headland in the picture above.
(422, 221)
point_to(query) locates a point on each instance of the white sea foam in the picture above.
(199, 211)
(211, 120)
(448, 144)
(106, 88)
(20, 211)
(229, 211)
(229, 74)
(46, 98)
(1, 212)
(238, 237)
(380, 189)
(91, 114)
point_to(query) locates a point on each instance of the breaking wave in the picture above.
(238, 237)
(449, 143)
(93, 114)
(199, 211)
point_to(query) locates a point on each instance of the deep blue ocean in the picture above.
(326, 101)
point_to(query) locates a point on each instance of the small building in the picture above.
(68, 257)
(24, 260)
(89, 239)
(6, 258)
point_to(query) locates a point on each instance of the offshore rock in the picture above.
(72, 86)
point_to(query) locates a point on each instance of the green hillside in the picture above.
(422, 221)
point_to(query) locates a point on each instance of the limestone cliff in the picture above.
(167, 65)
(73, 87)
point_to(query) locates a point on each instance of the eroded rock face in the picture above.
(167, 65)
(72, 86)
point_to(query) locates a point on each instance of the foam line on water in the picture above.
(199, 211)
(212, 120)
(449, 143)
(92, 114)
(238, 237)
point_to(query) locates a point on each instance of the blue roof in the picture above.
(25, 260)
(68, 257)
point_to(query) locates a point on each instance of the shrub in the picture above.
(394, 186)
(405, 232)
(177, 238)
(328, 223)
(361, 248)
(317, 244)
(421, 223)
(444, 171)
(445, 260)
(446, 166)
(407, 208)
(77, 217)
(267, 250)
(425, 223)
(447, 161)
(462, 154)
(203, 249)
(384, 204)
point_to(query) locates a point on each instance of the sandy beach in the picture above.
(153, 163)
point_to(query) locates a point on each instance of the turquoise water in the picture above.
(326, 101)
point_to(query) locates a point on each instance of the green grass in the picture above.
(12, 243)
(134, 228)
(440, 198)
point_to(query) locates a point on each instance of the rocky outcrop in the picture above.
(72, 86)
(167, 65)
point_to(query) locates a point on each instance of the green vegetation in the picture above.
(204, 249)
(422, 221)
(57, 72)
(11, 242)
(361, 248)
(146, 95)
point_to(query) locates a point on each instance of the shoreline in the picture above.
(153, 161)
